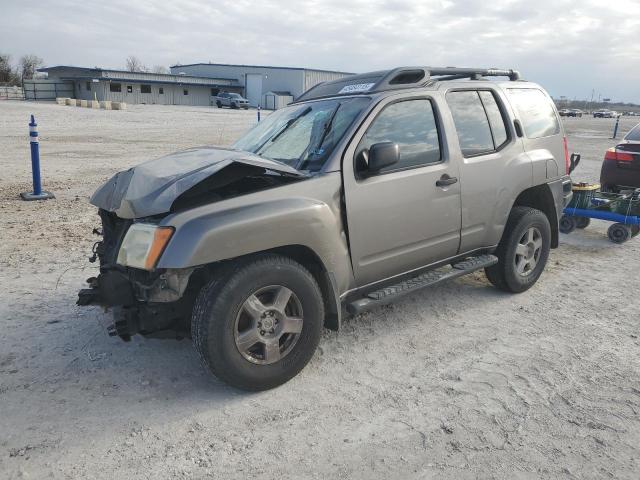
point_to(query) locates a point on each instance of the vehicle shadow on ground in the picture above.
(171, 369)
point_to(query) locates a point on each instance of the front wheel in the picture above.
(258, 325)
(523, 251)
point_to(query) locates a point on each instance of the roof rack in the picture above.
(397, 78)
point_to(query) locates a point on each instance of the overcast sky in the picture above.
(571, 47)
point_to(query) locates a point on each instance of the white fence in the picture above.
(11, 93)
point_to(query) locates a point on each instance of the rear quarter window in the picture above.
(634, 134)
(535, 111)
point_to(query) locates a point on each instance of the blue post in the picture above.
(258, 113)
(615, 128)
(38, 193)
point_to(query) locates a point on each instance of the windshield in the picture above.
(303, 136)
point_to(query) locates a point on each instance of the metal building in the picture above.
(258, 81)
(137, 87)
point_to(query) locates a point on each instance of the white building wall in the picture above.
(171, 94)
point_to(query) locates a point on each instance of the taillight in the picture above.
(618, 156)
(567, 161)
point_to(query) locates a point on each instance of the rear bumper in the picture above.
(613, 175)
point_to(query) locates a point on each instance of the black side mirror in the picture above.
(574, 160)
(382, 155)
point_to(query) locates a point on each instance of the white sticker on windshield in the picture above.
(357, 87)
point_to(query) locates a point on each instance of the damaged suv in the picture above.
(364, 189)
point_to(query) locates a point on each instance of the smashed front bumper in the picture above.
(153, 303)
(148, 303)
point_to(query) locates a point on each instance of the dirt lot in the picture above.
(459, 381)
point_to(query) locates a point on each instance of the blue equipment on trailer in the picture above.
(589, 202)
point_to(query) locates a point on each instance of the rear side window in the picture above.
(412, 125)
(496, 121)
(535, 112)
(471, 122)
(634, 134)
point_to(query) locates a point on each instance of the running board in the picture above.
(389, 294)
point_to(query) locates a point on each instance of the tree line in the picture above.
(25, 69)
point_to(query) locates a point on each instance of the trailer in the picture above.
(589, 201)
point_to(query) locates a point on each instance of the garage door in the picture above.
(254, 88)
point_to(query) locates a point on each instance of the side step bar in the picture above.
(389, 294)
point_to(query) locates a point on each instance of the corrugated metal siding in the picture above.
(153, 77)
(295, 81)
(273, 101)
(290, 80)
(314, 77)
(172, 94)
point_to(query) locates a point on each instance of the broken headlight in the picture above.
(143, 244)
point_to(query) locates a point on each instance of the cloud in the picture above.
(569, 47)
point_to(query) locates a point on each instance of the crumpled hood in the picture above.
(151, 187)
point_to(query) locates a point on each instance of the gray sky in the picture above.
(569, 46)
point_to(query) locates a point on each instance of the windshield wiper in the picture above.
(325, 131)
(290, 122)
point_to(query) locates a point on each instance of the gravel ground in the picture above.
(457, 381)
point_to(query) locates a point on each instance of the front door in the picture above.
(398, 218)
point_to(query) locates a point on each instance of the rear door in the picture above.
(493, 165)
(399, 219)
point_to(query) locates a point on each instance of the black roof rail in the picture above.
(402, 77)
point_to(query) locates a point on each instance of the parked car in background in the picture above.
(603, 113)
(574, 112)
(231, 100)
(564, 112)
(621, 165)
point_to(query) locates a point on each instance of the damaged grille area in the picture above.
(113, 232)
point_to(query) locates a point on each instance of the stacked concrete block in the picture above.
(71, 101)
(94, 104)
(106, 104)
(83, 103)
(61, 101)
(119, 105)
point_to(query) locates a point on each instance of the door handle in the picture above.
(446, 180)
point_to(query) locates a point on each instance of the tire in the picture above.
(568, 224)
(522, 252)
(219, 104)
(582, 222)
(234, 106)
(221, 318)
(619, 233)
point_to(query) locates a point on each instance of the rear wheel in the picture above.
(582, 222)
(258, 325)
(522, 252)
(619, 233)
(568, 224)
(219, 104)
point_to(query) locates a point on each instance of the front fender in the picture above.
(304, 213)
